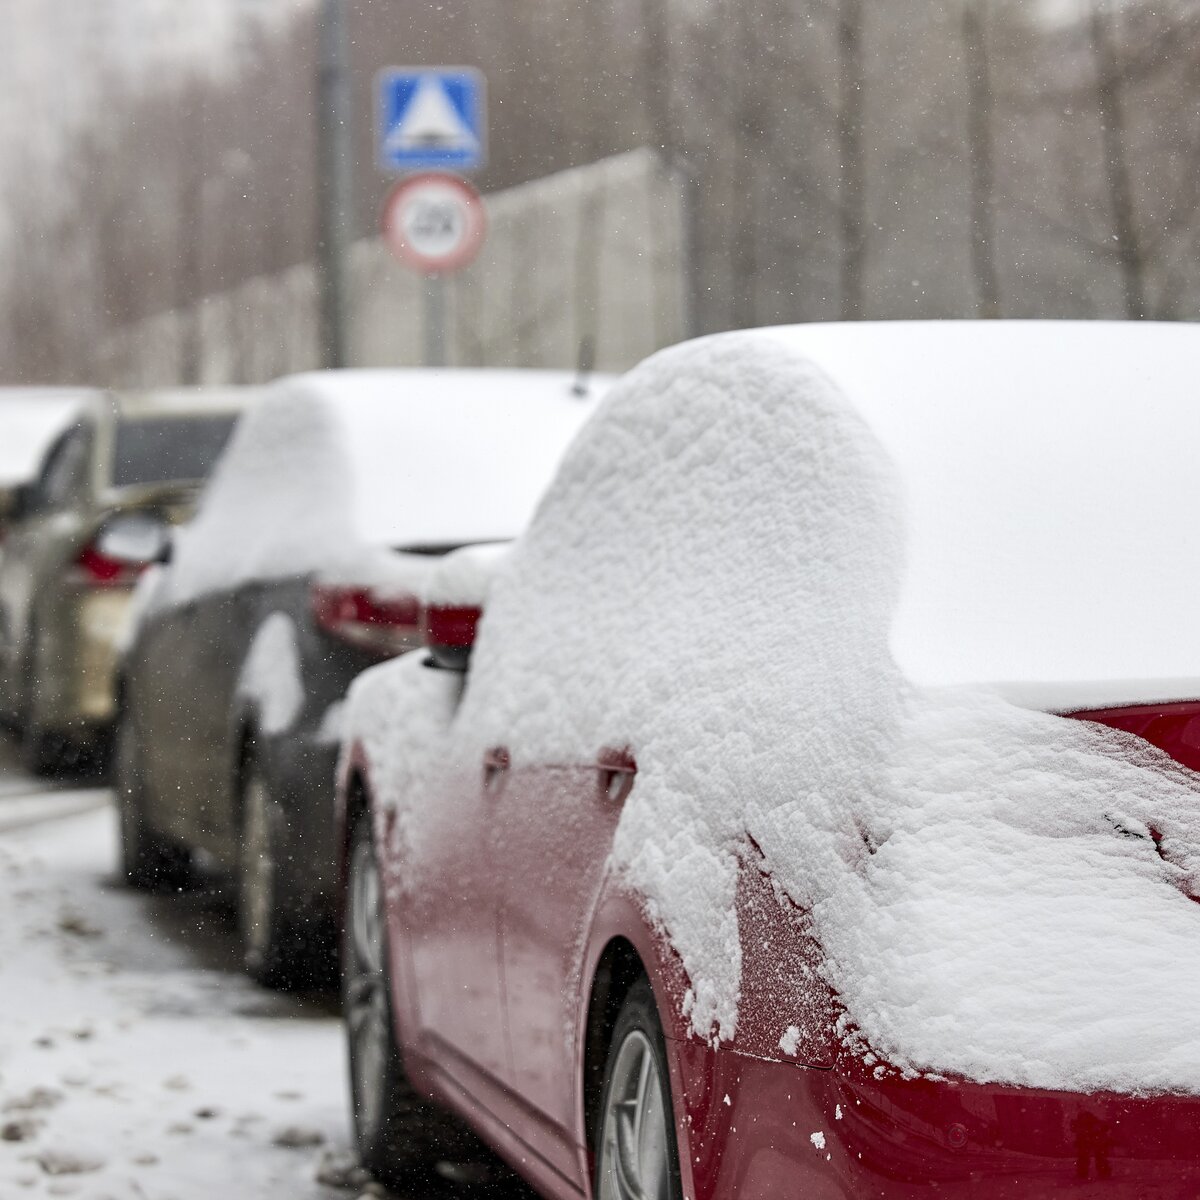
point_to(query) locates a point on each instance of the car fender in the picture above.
(621, 913)
(353, 768)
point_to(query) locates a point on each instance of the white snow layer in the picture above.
(331, 470)
(128, 1067)
(711, 581)
(462, 579)
(403, 714)
(1050, 478)
(271, 675)
(29, 423)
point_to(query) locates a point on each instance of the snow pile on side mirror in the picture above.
(464, 577)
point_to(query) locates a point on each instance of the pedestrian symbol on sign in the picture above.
(431, 118)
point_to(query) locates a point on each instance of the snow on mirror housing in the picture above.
(455, 596)
(450, 634)
(134, 539)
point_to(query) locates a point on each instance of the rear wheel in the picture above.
(287, 942)
(267, 945)
(399, 1134)
(44, 751)
(147, 860)
(636, 1154)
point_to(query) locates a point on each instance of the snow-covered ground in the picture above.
(136, 1062)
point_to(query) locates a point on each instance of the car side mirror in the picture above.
(449, 632)
(135, 538)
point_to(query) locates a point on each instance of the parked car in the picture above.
(751, 855)
(124, 469)
(301, 569)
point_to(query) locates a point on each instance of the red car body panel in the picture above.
(1174, 728)
(897, 1139)
(494, 957)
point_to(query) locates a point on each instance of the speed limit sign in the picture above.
(434, 222)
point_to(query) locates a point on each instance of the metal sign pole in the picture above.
(432, 121)
(435, 320)
(434, 223)
(335, 183)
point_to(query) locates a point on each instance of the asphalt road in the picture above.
(197, 926)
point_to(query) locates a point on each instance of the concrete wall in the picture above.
(595, 252)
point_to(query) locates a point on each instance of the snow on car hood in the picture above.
(712, 581)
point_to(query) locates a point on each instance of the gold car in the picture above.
(126, 468)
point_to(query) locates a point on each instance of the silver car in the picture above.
(124, 470)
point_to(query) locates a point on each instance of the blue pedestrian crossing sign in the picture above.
(432, 118)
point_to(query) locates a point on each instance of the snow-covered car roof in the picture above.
(30, 419)
(1051, 487)
(334, 468)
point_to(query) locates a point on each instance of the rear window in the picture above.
(164, 449)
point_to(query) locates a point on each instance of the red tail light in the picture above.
(94, 569)
(1173, 728)
(356, 615)
(451, 626)
(450, 634)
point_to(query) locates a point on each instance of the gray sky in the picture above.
(59, 55)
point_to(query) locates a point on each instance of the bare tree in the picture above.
(844, 160)
(1114, 136)
(852, 189)
(981, 154)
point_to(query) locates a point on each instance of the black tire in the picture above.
(646, 1103)
(44, 751)
(287, 941)
(147, 860)
(401, 1137)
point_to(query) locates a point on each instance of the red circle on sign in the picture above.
(434, 222)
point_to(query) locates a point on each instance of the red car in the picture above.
(746, 851)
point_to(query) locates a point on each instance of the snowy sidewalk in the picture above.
(135, 1062)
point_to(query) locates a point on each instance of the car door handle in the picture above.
(496, 763)
(615, 773)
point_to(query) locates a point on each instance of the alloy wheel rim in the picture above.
(634, 1142)
(258, 871)
(366, 996)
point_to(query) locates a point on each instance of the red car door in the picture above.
(552, 830)
(448, 901)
